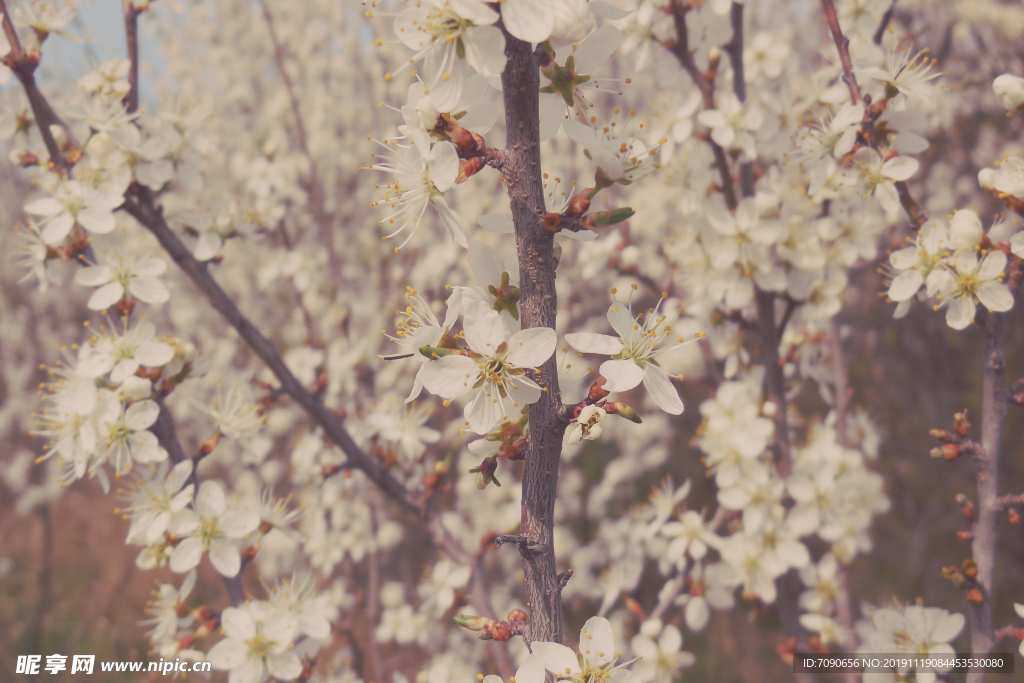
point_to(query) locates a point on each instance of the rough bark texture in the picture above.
(983, 548)
(537, 304)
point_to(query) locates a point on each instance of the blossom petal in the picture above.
(210, 499)
(622, 375)
(186, 555)
(149, 290)
(660, 388)
(900, 168)
(558, 659)
(450, 376)
(228, 654)
(225, 558)
(995, 296)
(529, 20)
(905, 285)
(597, 641)
(960, 313)
(239, 523)
(485, 410)
(485, 50)
(106, 296)
(530, 348)
(238, 623)
(284, 666)
(589, 342)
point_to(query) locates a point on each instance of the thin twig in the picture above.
(681, 49)
(914, 211)
(131, 30)
(139, 202)
(316, 191)
(884, 24)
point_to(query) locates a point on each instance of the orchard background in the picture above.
(802, 501)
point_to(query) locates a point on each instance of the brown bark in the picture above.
(983, 547)
(538, 304)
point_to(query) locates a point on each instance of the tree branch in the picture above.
(983, 546)
(914, 211)
(681, 49)
(139, 202)
(24, 64)
(538, 306)
(131, 30)
(316, 192)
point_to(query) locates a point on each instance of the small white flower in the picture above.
(164, 610)
(211, 526)
(587, 425)
(619, 159)
(921, 264)
(297, 597)
(122, 355)
(73, 204)
(732, 123)
(423, 173)
(833, 135)
(1009, 90)
(634, 353)
(976, 282)
(878, 178)
(420, 328)
(128, 438)
(494, 368)
(906, 77)
(662, 659)
(438, 592)
(155, 499)
(258, 643)
(125, 272)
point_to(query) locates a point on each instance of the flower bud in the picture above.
(622, 410)
(1009, 90)
(605, 218)
(970, 568)
(960, 423)
(472, 622)
(974, 595)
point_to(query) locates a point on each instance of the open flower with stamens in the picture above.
(123, 354)
(619, 159)
(123, 272)
(635, 351)
(494, 368)
(155, 498)
(258, 644)
(211, 526)
(167, 610)
(451, 35)
(879, 178)
(596, 662)
(423, 173)
(74, 203)
(921, 264)
(420, 328)
(128, 437)
(976, 282)
(905, 76)
(833, 135)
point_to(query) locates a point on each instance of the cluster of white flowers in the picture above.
(764, 188)
(958, 264)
